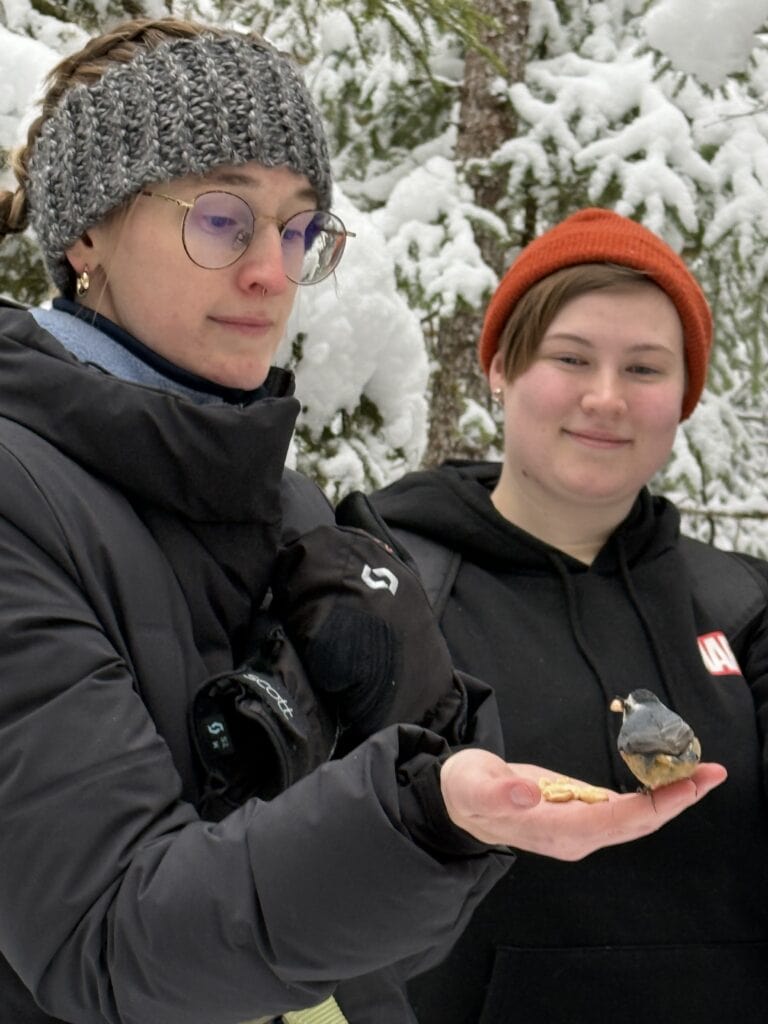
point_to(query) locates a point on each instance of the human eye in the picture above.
(292, 235)
(564, 359)
(217, 222)
(562, 351)
(223, 217)
(230, 231)
(300, 230)
(644, 370)
(220, 226)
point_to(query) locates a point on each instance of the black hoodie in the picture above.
(675, 926)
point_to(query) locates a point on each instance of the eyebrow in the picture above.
(248, 181)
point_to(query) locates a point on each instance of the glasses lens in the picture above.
(313, 243)
(217, 230)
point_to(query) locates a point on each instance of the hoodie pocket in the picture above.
(718, 983)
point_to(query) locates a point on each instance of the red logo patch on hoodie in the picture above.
(717, 655)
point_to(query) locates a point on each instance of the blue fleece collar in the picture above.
(100, 342)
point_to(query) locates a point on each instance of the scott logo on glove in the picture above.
(379, 579)
(279, 701)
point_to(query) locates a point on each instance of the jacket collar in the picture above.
(205, 479)
(205, 462)
(94, 338)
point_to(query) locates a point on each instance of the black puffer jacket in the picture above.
(137, 535)
(675, 926)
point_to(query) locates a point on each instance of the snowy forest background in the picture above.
(459, 131)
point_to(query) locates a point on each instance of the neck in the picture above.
(577, 529)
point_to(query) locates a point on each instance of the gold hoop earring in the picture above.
(83, 282)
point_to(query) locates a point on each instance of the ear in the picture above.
(496, 378)
(81, 254)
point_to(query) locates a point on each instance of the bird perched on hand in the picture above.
(656, 744)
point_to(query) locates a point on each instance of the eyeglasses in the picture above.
(218, 227)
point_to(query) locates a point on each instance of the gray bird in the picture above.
(656, 744)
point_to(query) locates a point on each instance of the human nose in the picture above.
(604, 395)
(262, 265)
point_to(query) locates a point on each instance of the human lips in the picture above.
(245, 324)
(598, 439)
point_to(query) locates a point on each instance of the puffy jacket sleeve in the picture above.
(117, 904)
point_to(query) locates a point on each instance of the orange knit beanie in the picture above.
(601, 236)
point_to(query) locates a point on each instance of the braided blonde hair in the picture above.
(85, 67)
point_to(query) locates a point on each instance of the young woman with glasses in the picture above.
(189, 835)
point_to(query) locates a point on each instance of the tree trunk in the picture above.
(486, 120)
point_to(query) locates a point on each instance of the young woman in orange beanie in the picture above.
(564, 582)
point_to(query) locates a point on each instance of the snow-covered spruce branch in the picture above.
(706, 513)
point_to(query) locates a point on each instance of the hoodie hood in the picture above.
(452, 506)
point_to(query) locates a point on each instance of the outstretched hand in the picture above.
(501, 803)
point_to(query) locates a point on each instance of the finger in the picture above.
(495, 797)
(638, 814)
(669, 800)
(708, 776)
(479, 785)
(519, 792)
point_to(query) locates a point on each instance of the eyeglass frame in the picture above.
(187, 206)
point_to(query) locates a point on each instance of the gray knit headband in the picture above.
(183, 108)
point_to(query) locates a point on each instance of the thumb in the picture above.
(514, 789)
(477, 784)
(522, 792)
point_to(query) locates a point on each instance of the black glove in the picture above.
(363, 628)
(260, 727)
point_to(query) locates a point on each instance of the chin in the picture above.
(619, 501)
(245, 378)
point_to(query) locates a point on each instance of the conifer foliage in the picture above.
(460, 130)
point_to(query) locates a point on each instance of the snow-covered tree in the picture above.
(635, 106)
(655, 108)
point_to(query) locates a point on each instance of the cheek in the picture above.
(659, 411)
(529, 414)
(657, 423)
(538, 394)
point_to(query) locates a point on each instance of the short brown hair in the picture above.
(534, 312)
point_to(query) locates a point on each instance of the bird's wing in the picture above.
(655, 731)
(675, 734)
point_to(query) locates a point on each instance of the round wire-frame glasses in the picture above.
(218, 227)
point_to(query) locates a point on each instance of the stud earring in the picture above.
(496, 395)
(83, 282)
